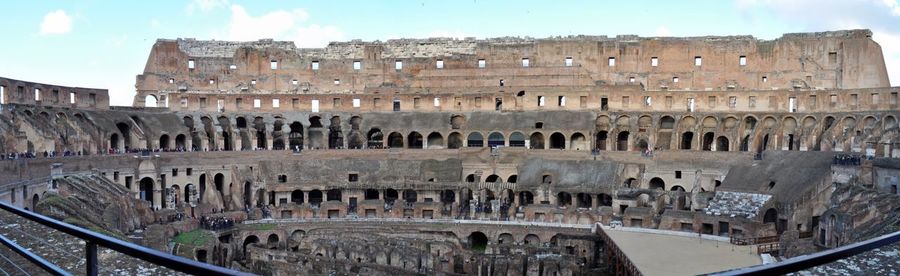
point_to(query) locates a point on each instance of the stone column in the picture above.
(270, 135)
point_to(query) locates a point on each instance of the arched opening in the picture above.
(512, 179)
(391, 195)
(517, 139)
(371, 194)
(470, 178)
(602, 137)
(395, 140)
(563, 199)
(414, 140)
(622, 141)
(295, 137)
(475, 140)
(488, 197)
(643, 145)
(495, 139)
(151, 101)
(707, 141)
(114, 141)
(605, 200)
(686, 139)
(629, 182)
(262, 141)
(34, 202)
(505, 238)
(722, 143)
(478, 241)
(454, 141)
(537, 140)
(248, 194)
(532, 239)
(410, 195)
(272, 241)
(248, 241)
(188, 192)
(376, 138)
(677, 188)
(146, 190)
(180, 141)
(125, 130)
(297, 197)
(226, 137)
(771, 216)
(219, 181)
(584, 200)
(334, 195)
(435, 141)
(164, 142)
(492, 178)
(526, 198)
(335, 133)
(201, 256)
(296, 238)
(315, 197)
(657, 183)
(557, 141)
(578, 141)
(210, 130)
(448, 196)
(202, 187)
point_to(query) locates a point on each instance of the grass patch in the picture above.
(194, 238)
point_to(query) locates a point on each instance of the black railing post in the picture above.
(90, 254)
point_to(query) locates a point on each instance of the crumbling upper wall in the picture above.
(25, 92)
(827, 60)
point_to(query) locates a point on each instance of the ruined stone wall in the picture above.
(505, 66)
(37, 130)
(32, 93)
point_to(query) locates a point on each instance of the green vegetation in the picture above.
(194, 238)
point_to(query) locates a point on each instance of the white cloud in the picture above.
(117, 41)
(204, 5)
(280, 25)
(663, 31)
(314, 36)
(155, 23)
(56, 22)
(880, 16)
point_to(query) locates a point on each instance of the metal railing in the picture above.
(816, 259)
(93, 240)
(753, 240)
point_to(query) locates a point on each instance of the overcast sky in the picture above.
(105, 44)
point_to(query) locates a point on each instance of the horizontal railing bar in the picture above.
(815, 259)
(33, 258)
(150, 255)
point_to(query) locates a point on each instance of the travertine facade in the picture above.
(413, 149)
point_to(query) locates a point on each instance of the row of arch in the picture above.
(728, 133)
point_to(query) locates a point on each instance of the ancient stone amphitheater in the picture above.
(502, 156)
